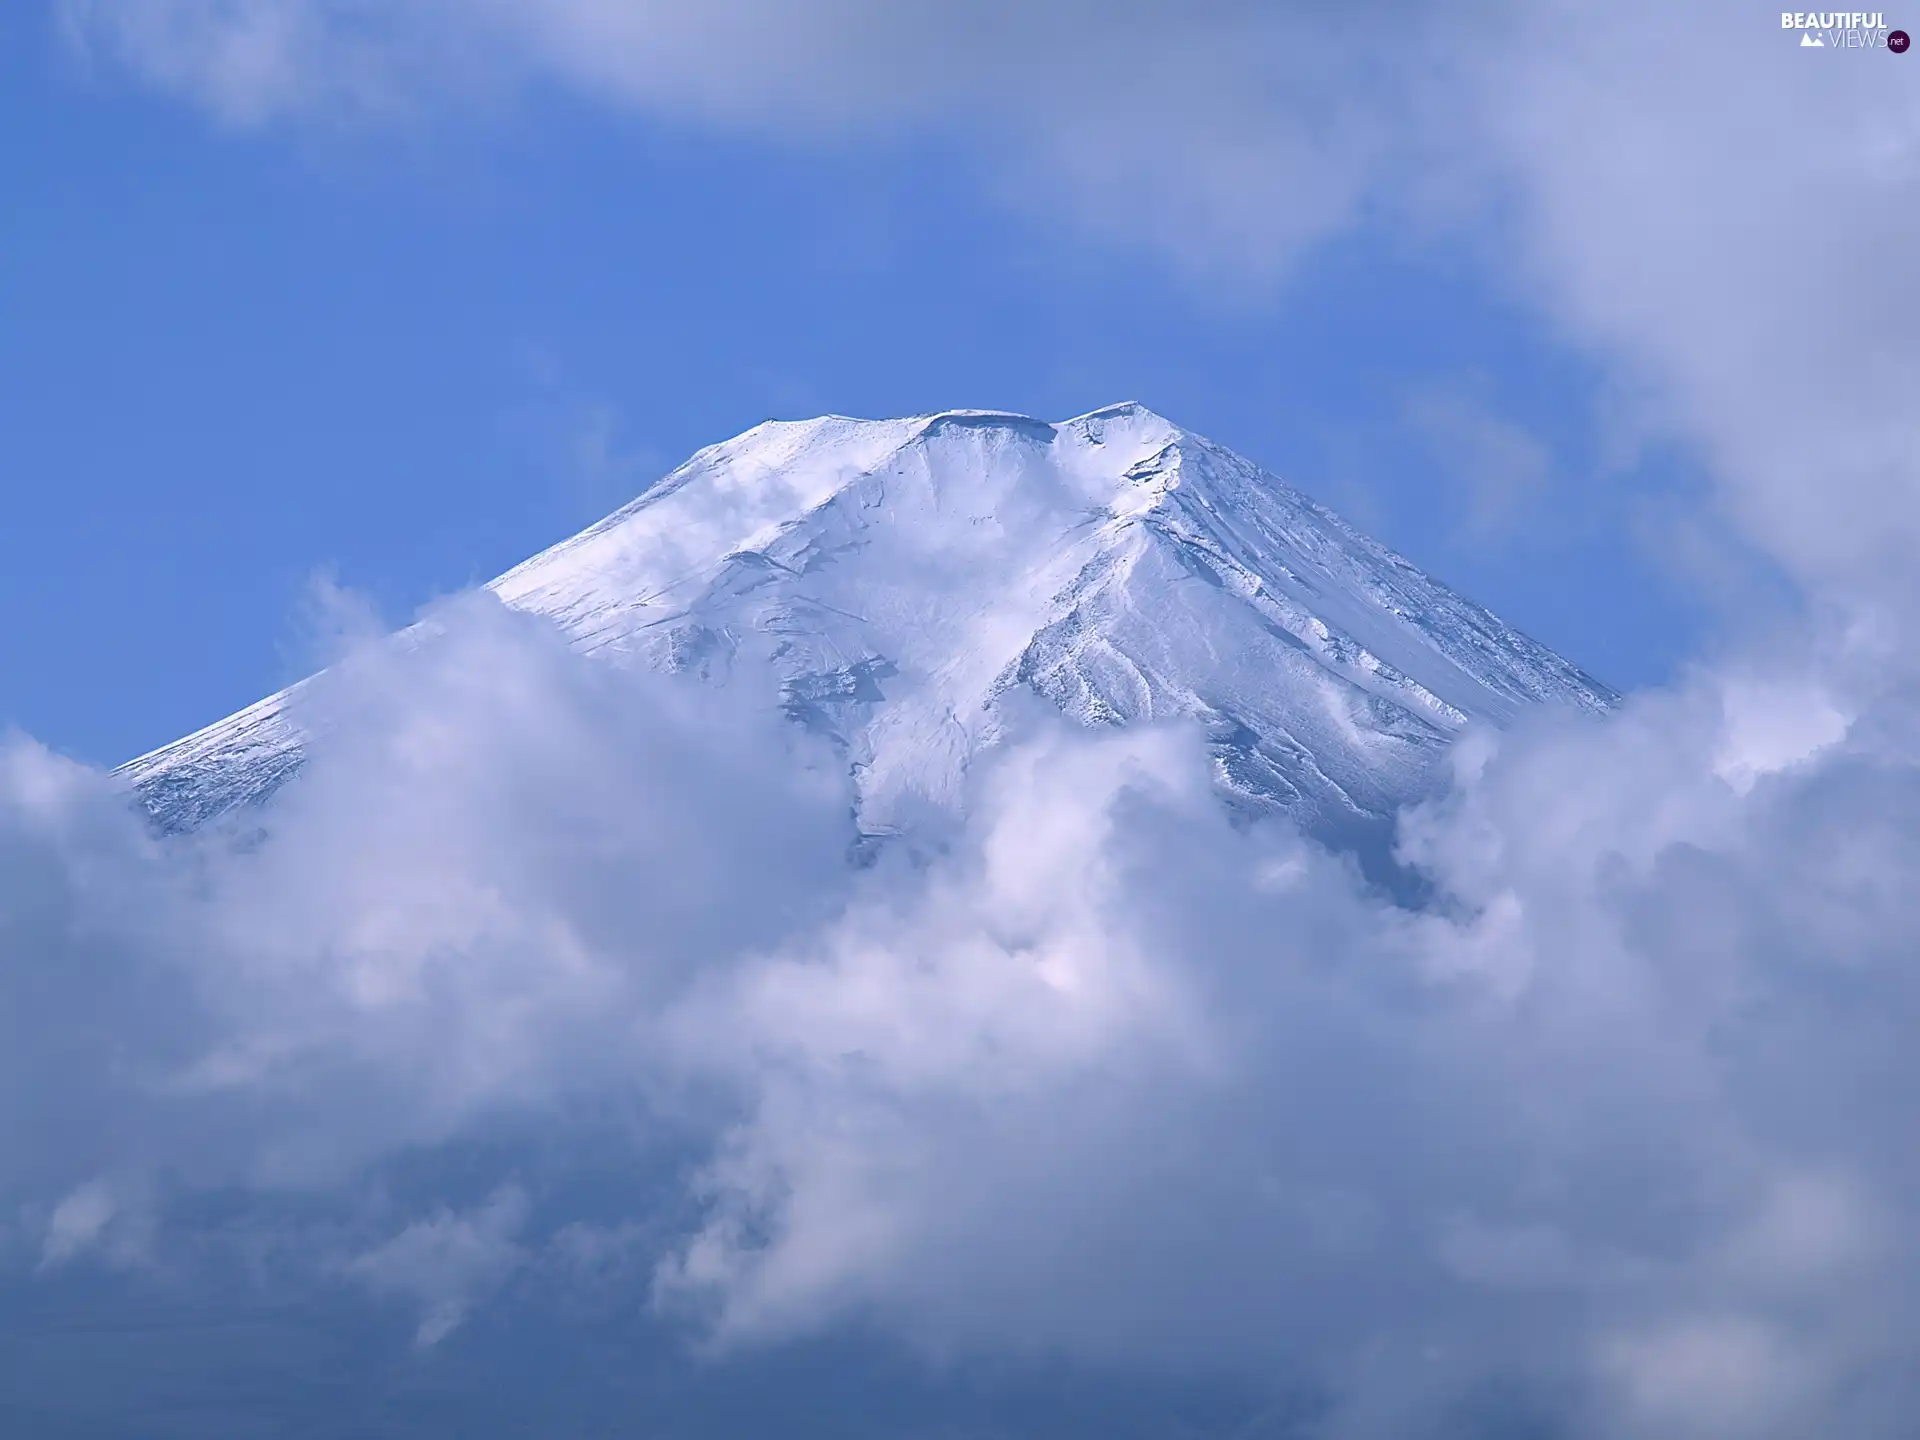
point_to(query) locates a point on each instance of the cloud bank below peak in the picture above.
(546, 978)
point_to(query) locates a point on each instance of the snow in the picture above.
(901, 577)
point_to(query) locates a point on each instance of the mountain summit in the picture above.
(901, 577)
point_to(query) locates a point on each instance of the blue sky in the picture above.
(234, 359)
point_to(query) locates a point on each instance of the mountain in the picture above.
(901, 577)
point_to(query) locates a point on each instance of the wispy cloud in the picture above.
(445, 1261)
(1500, 470)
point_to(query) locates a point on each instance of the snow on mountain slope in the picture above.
(902, 576)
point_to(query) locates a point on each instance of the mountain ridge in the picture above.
(900, 577)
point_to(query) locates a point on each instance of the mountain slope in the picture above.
(902, 576)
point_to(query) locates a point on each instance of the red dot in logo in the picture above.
(1898, 41)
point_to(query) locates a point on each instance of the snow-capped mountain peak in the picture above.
(900, 577)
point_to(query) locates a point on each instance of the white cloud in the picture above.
(77, 1222)
(1712, 1376)
(1161, 120)
(444, 1262)
(1617, 1121)
(1769, 727)
(1724, 223)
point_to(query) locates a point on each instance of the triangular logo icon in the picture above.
(1812, 42)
